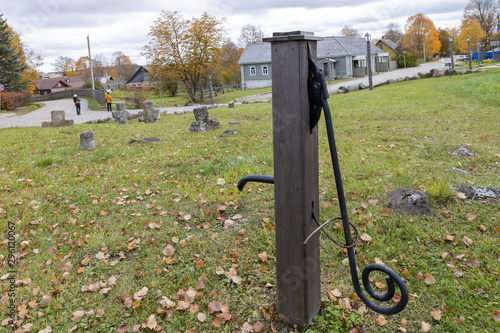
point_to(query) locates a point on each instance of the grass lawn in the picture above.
(129, 236)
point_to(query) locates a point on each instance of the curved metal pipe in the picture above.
(255, 178)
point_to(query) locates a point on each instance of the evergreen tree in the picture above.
(11, 66)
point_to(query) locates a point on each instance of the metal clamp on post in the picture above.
(392, 277)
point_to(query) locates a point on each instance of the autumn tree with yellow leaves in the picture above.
(420, 32)
(470, 28)
(186, 51)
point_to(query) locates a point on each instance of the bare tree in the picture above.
(250, 34)
(394, 33)
(64, 65)
(486, 12)
(348, 31)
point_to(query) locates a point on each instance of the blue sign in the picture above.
(2, 87)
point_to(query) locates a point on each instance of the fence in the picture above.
(99, 95)
(222, 89)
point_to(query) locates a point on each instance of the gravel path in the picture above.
(36, 117)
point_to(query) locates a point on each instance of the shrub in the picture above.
(14, 100)
(411, 60)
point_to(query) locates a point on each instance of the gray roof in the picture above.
(260, 53)
(389, 43)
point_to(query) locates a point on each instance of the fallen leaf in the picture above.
(263, 256)
(461, 195)
(219, 270)
(426, 327)
(47, 329)
(124, 328)
(221, 181)
(471, 262)
(78, 315)
(365, 237)
(436, 314)
(258, 327)
(151, 322)
(471, 216)
(429, 279)
(100, 312)
(182, 305)
(168, 251)
(496, 315)
(214, 306)
(201, 316)
(141, 294)
(154, 225)
(468, 241)
(381, 321)
(449, 238)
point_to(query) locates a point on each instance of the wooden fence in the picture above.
(217, 90)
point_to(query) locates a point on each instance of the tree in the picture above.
(122, 66)
(228, 63)
(393, 33)
(444, 38)
(250, 34)
(472, 29)
(185, 49)
(64, 66)
(11, 64)
(348, 31)
(31, 59)
(420, 32)
(486, 12)
(82, 67)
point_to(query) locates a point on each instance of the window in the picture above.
(253, 70)
(265, 70)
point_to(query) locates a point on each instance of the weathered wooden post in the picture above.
(296, 180)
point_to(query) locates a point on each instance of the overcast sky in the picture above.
(60, 27)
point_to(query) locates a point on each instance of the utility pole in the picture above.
(91, 71)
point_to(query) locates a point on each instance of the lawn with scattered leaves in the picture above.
(138, 237)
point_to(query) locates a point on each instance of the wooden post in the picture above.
(296, 187)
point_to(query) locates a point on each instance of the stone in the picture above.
(462, 152)
(58, 119)
(407, 200)
(390, 81)
(229, 131)
(353, 87)
(230, 105)
(464, 71)
(479, 192)
(87, 140)
(400, 79)
(121, 114)
(191, 104)
(475, 71)
(415, 77)
(149, 113)
(459, 170)
(203, 122)
(145, 140)
(423, 75)
(233, 123)
(435, 72)
(342, 90)
(361, 86)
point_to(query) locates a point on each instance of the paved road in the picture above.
(395, 74)
(35, 118)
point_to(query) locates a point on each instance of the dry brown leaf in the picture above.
(471, 216)
(78, 315)
(219, 270)
(496, 315)
(365, 237)
(124, 328)
(381, 321)
(151, 322)
(426, 327)
(168, 251)
(429, 279)
(471, 262)
(154, 225)
(263, 256)
(182, 305)
(47, 329)
(214, 306)
(468, 241)
(258, 327)
(436, 314)
(141, 294)
(449, 238)
(201, 316)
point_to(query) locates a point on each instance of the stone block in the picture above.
(58, 119)
(87, 140)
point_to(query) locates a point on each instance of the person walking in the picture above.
(108, 100)
(76, 100)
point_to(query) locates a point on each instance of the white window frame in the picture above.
(265, 70)
(253, 70)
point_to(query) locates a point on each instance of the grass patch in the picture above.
(95, 227)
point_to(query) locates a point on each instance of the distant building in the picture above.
(139, 79)
(390, 47)
(338, 57)
(47, 86)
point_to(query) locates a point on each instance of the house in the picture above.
(390, 47)
(139, 78)
(47, 86)
(338, 57)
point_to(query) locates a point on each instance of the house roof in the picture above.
(68, 81)
(334, 46)
(141, 68)
(389, 43)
